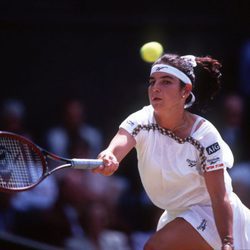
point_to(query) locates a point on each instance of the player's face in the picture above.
(165, 92)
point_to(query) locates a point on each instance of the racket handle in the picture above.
(86, 163)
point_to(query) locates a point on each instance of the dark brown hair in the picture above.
(205, 76)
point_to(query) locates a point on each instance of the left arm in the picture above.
(222, 209)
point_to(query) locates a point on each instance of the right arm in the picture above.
(119, 147)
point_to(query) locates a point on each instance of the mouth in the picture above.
(156, 99)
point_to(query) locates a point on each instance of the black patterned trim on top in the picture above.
(169, 133)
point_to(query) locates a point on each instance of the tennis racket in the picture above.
(23, 164)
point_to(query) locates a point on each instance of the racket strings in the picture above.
(20, 166)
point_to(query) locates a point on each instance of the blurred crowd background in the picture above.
(71, 73)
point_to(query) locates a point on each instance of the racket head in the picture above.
(22, 163)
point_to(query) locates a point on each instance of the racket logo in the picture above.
(5, 173)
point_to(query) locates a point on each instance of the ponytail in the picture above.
(207, 81)
(204, 73)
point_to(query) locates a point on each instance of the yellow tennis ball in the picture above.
(151, 51)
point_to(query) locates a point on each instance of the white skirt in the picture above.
(202, 219)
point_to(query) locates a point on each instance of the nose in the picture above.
(156, 87)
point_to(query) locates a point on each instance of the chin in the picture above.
(158, 107)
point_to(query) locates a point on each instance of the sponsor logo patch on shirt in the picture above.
(213, 148)
(191, 163)
(213, 161)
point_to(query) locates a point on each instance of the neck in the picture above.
(174, 122)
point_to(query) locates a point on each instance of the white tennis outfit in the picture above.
(171, 170)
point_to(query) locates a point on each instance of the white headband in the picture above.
(171, 70)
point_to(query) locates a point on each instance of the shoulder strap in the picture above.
(197, 121)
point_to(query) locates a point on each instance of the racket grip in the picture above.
(86, 163)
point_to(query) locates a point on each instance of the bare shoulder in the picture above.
(195, 122)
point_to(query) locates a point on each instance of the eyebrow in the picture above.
(163, 77)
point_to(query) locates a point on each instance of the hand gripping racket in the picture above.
(23, 164)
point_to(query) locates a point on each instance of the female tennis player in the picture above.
(183, 160)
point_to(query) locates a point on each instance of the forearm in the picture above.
(222, 209)
(118, 148)
(224, 219)
(121, 144)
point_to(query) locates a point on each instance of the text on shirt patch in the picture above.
(213, 161)
(213, 148)
(217, 166)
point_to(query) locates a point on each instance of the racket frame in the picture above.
(44, 155)
(33, 147)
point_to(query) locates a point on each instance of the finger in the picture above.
(109, 170)
(98, 169)
(110, 165)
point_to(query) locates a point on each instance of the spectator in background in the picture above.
(78, 189)
(233, 121)
(63, 218)
(13, 117)
(245, 68)
(30, 208)
(29, 205)
(74, 126)
(95, 220)
(241, 181)
(6, 213)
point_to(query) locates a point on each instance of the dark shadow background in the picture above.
(52, 49)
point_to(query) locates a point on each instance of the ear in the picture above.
(187, 89)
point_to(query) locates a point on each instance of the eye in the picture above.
(166, 82)
(151, 82)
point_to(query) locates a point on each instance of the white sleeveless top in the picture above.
(171, 169)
